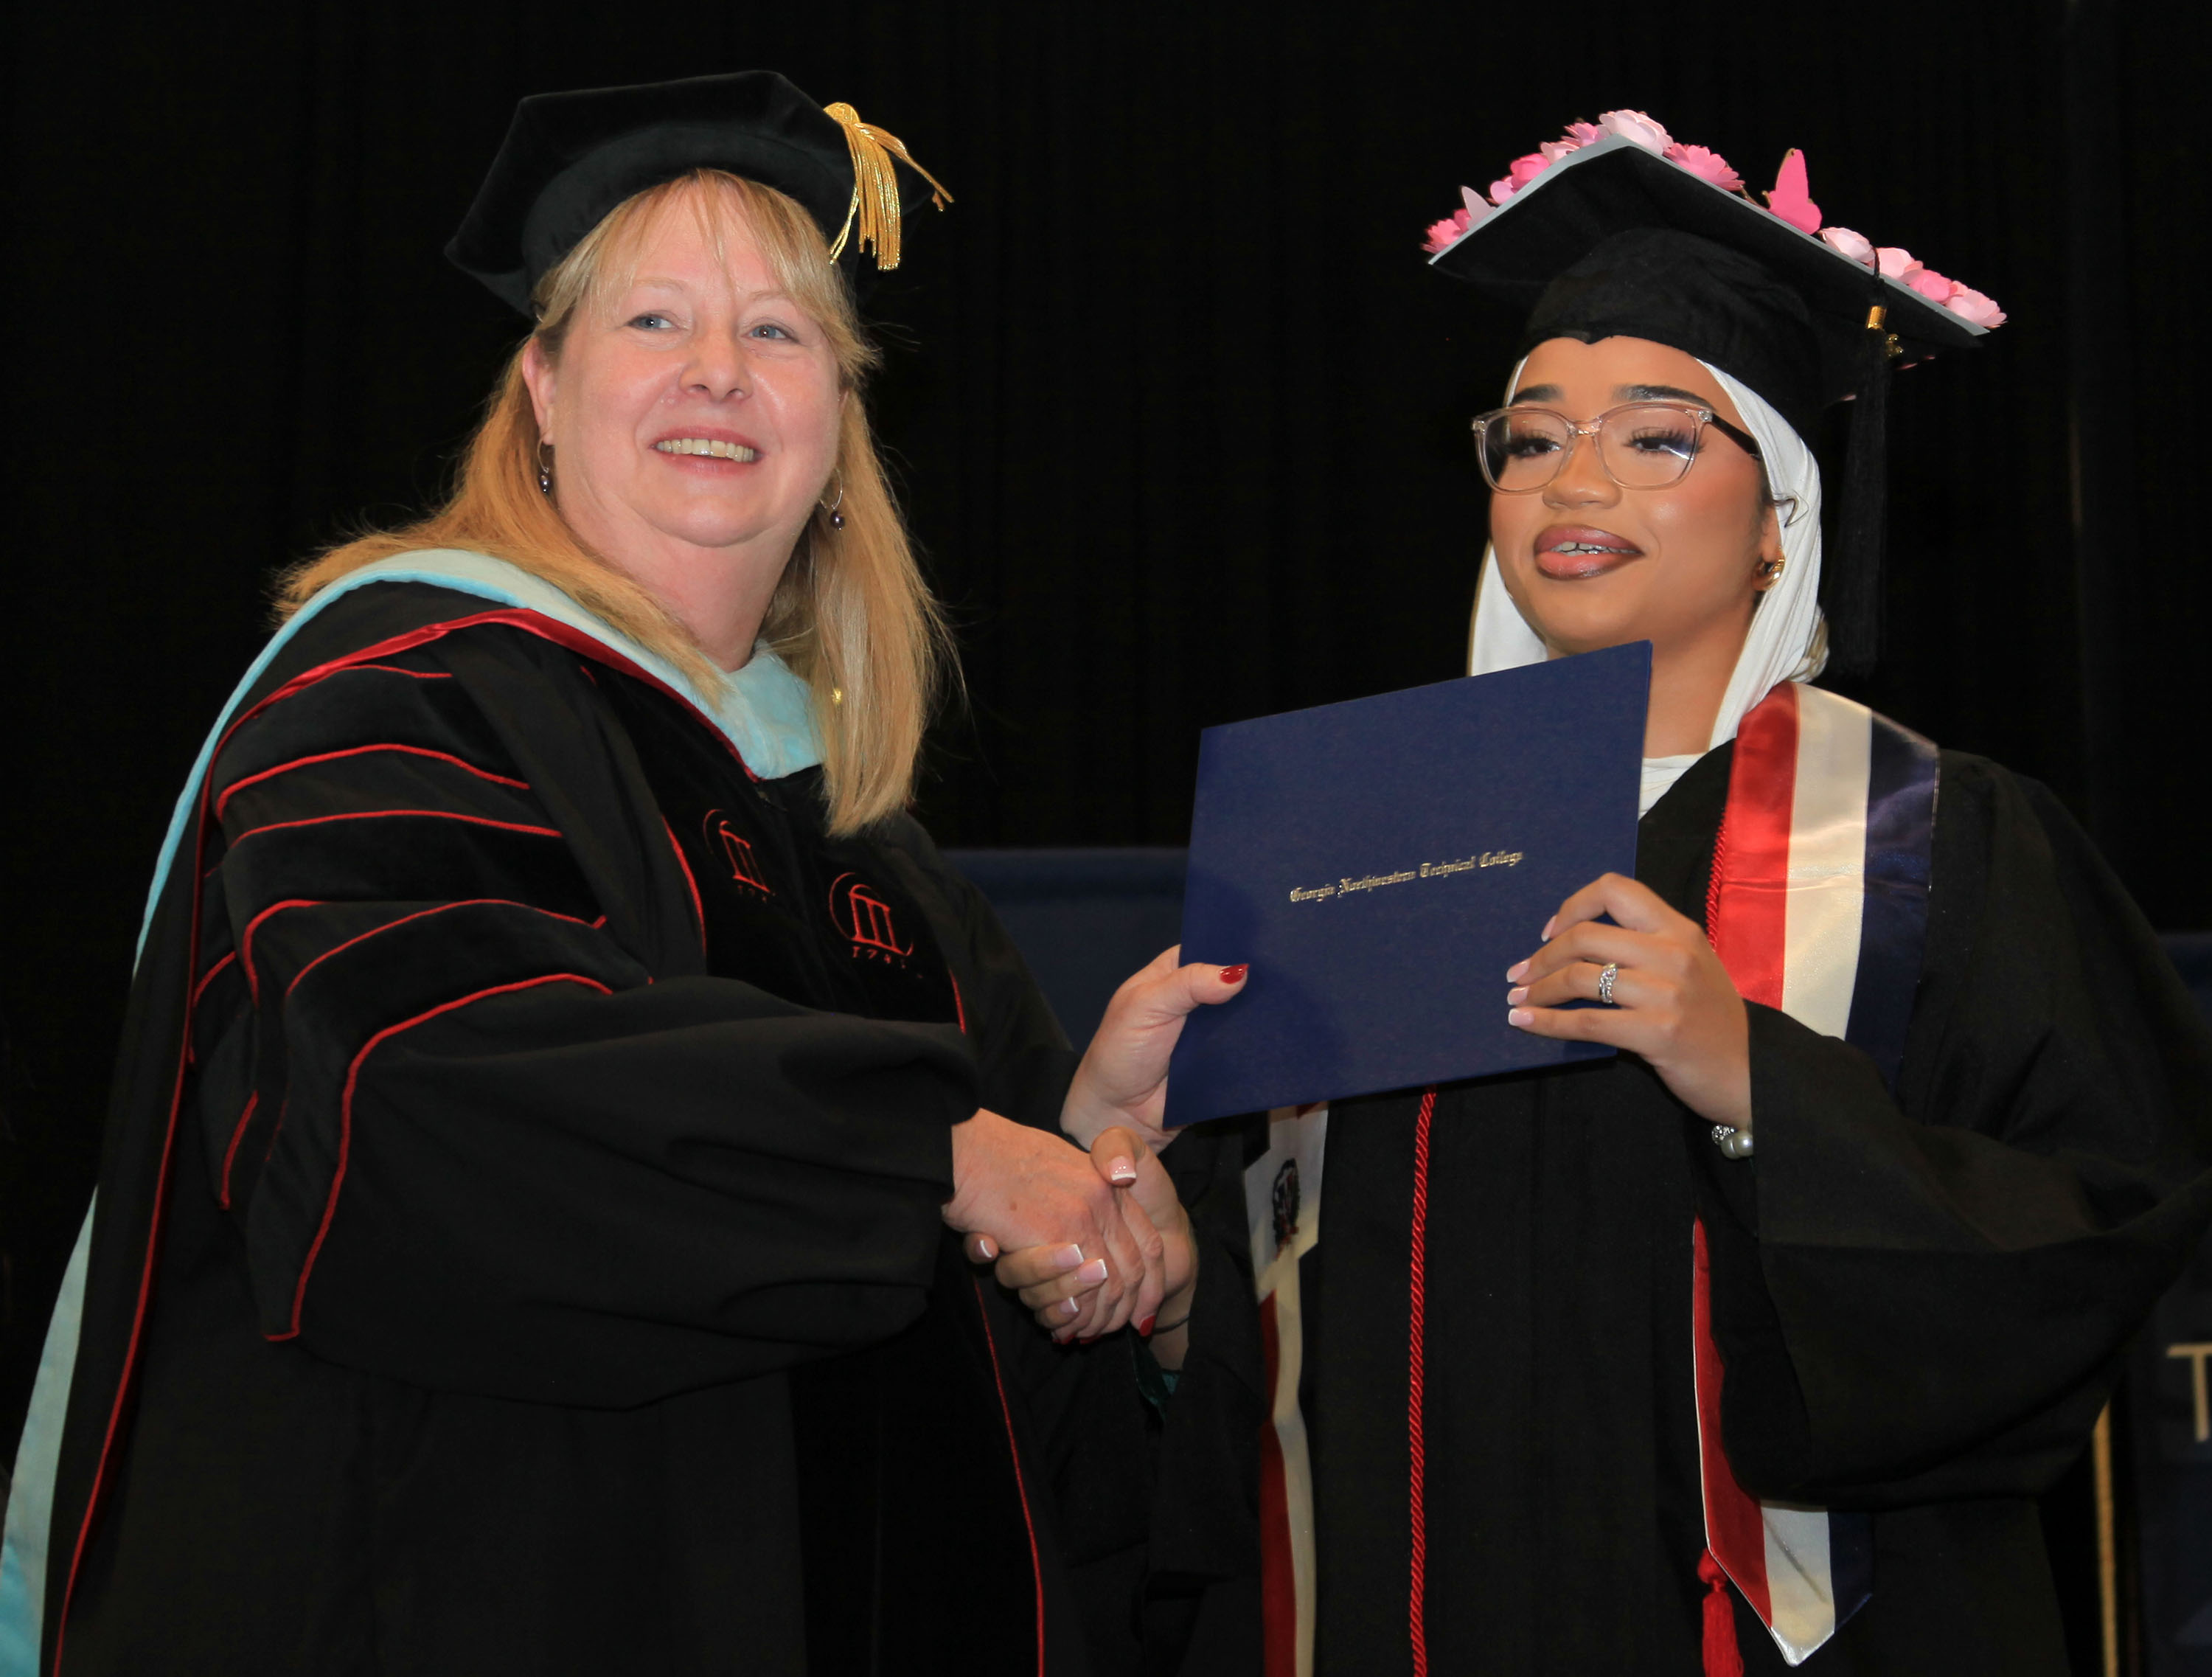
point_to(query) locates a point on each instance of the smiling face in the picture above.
(1591, 564)
(693, 410)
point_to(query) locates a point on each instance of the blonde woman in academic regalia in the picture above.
(560, 1073)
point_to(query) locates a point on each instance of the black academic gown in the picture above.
(1920, 1300)
(533, 1261)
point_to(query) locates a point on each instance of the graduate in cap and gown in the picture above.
(559, 1074)
(1753, 1346)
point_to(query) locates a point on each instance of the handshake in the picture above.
(1092, 1242)
(1095, 1240)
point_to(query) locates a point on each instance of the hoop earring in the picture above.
(1770, 571)
(836, 518)
(545, 468)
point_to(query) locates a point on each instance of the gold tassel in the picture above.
(874, 212)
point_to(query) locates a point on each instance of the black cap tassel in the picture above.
(1853, 571)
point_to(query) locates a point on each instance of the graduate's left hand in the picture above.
(1674, 1004)
(1123, 1079)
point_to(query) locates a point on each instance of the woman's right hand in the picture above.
(1024, 1188)
(1123, 1079)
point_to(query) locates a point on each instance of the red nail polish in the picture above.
(1235, 974)
(1145, 1328)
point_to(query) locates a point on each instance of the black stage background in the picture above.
(1180, 415)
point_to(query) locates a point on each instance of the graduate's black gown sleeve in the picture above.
(472, 1143)
(1921, 1298)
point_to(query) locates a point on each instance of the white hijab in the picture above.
(1785, 643)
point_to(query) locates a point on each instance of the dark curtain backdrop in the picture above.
(1179, 412)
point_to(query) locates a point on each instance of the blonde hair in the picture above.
(852, 615)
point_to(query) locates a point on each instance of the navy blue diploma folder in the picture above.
(1380, 863)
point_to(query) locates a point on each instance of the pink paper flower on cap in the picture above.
(1582, 134)
(1971, 306)
(1895, 263)
(1518, 174)
(1471, 214)
(1791, 198)
(1932, 285)
(1845, 242)
(1552, 150)
(1522, 170)
(1706, 165)
(1639, 126)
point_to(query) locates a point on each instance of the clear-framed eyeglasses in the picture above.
(1641, 444)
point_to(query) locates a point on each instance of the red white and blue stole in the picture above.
(1819, 908)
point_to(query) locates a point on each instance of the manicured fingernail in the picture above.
(1121, 1173)
(1514, 974)
(1069, 1307)
(1068, 1257)
(1235, 974)
(1515, 997)
(1145, 1328)
(1549, 925)
(1519, 1016)
(1093, 1271)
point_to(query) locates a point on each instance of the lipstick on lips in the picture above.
(1568, 552)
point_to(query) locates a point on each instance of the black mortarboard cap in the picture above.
(1613, 240)
(1717, 303)
(569, 158)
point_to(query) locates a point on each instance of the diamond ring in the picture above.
(1606, 974)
